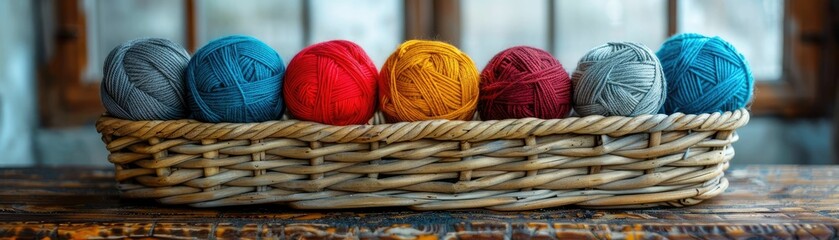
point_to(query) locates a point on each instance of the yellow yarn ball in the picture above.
(425, 80)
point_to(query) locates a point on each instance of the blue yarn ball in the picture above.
(704, 75)
(235, 79)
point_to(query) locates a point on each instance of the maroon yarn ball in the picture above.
(523, 82)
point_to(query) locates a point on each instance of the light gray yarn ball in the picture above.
(144, 80)
(618, 79)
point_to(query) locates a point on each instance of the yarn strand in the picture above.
(235, 79)
(143, 80)
(332, 82)
(619, 79)
(704, 74)
(523, 82)
(425, 80)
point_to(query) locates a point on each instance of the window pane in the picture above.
(117, 21)
(754, 27)
(277, 23)
(583, 25)
(490, 26)
(375, 25)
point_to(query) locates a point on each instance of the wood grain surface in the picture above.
(82, 203)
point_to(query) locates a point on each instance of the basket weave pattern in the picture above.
(517, 164)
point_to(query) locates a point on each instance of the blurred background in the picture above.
(51, 54)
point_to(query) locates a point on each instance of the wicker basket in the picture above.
(520, 164)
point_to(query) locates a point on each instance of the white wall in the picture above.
(17, 83)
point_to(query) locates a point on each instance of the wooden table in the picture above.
(762, 201)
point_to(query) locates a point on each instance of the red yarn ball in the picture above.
(523, 82)
(332, 82)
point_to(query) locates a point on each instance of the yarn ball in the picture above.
(425, 80)
(235, 79)
(144, 80)
(523, 82)
(331, 82)
(704, 75)
(618, 79)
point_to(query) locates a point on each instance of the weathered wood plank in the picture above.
(761, 202)
(477, 230)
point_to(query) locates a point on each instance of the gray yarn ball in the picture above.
(618, 79)
(144, 80)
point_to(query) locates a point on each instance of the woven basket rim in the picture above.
(454, 130)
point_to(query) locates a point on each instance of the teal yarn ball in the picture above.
(143, 80)
(618, 79)
(704, 75)
(235, 79)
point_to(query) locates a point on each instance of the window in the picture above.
(754, 27)
(782, 41)
(277, 23)
(583, 25)
(114, 22)
(375, 25)
(492, 26)
(287, 26)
